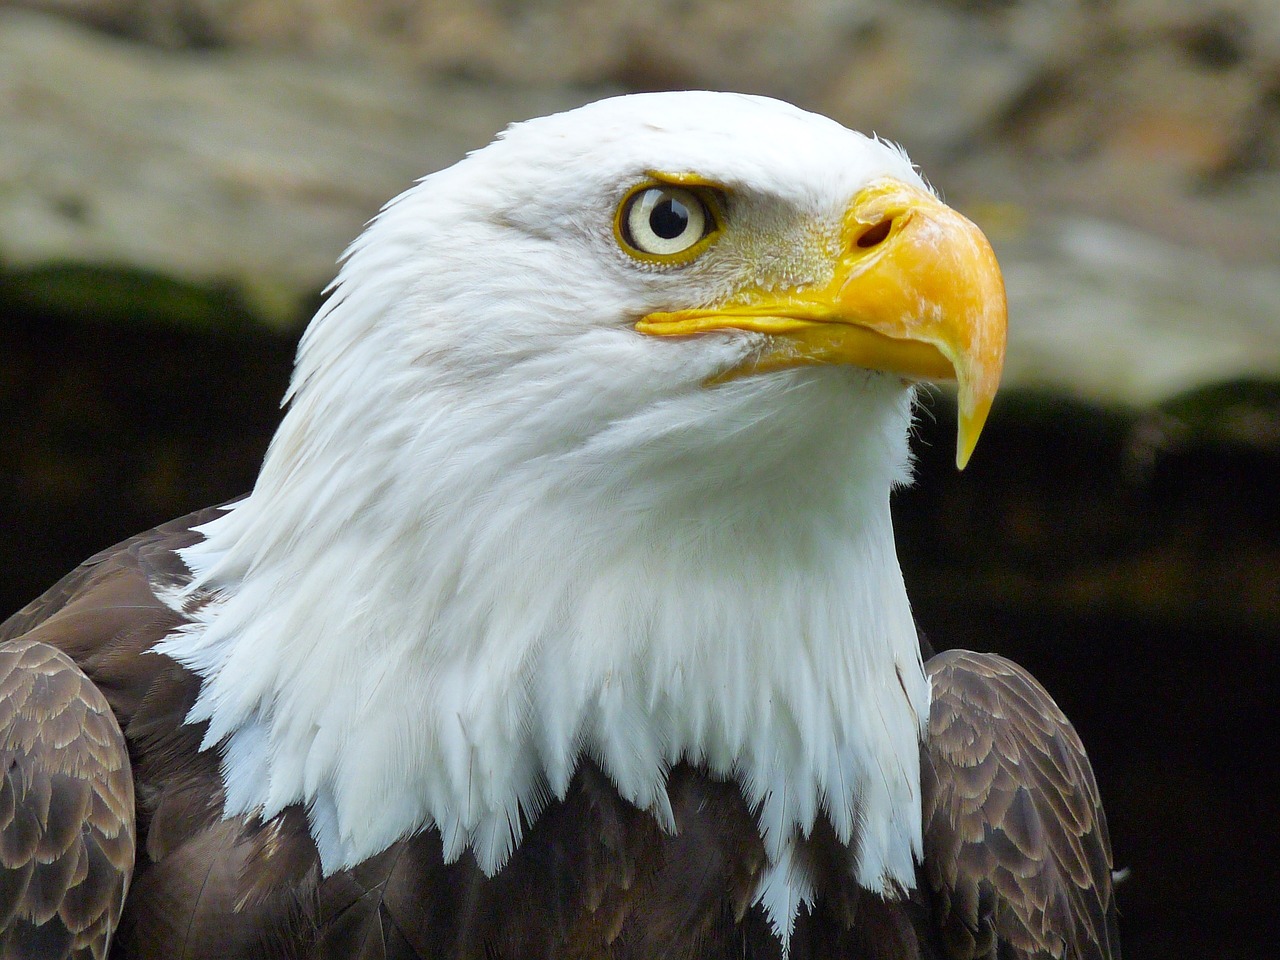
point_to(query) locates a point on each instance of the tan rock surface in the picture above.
(1125, 158)
(235, 166)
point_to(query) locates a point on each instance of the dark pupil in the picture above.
(669, 218)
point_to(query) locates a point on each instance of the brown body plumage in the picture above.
(1017, 859)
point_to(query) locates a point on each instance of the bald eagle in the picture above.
(564, 618)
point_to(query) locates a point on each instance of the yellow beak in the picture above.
(916, 291)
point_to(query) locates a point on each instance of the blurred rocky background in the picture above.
(177, 178)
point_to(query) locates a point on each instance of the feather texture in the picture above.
(66, 808)
(594, 876)
(1016, 844)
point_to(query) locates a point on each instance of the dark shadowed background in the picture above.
(177, 179)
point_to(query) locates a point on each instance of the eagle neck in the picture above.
(399, 660)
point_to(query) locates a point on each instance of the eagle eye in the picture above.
(664, 223)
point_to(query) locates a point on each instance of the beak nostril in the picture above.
(875, 234)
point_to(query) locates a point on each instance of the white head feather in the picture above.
(499, 530)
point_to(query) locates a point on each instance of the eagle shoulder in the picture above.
(88, 725)
(1017, 858)
(66, 808)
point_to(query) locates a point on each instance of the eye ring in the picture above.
(667, 223)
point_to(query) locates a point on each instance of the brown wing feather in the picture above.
(66, 808)
(1017, 855)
